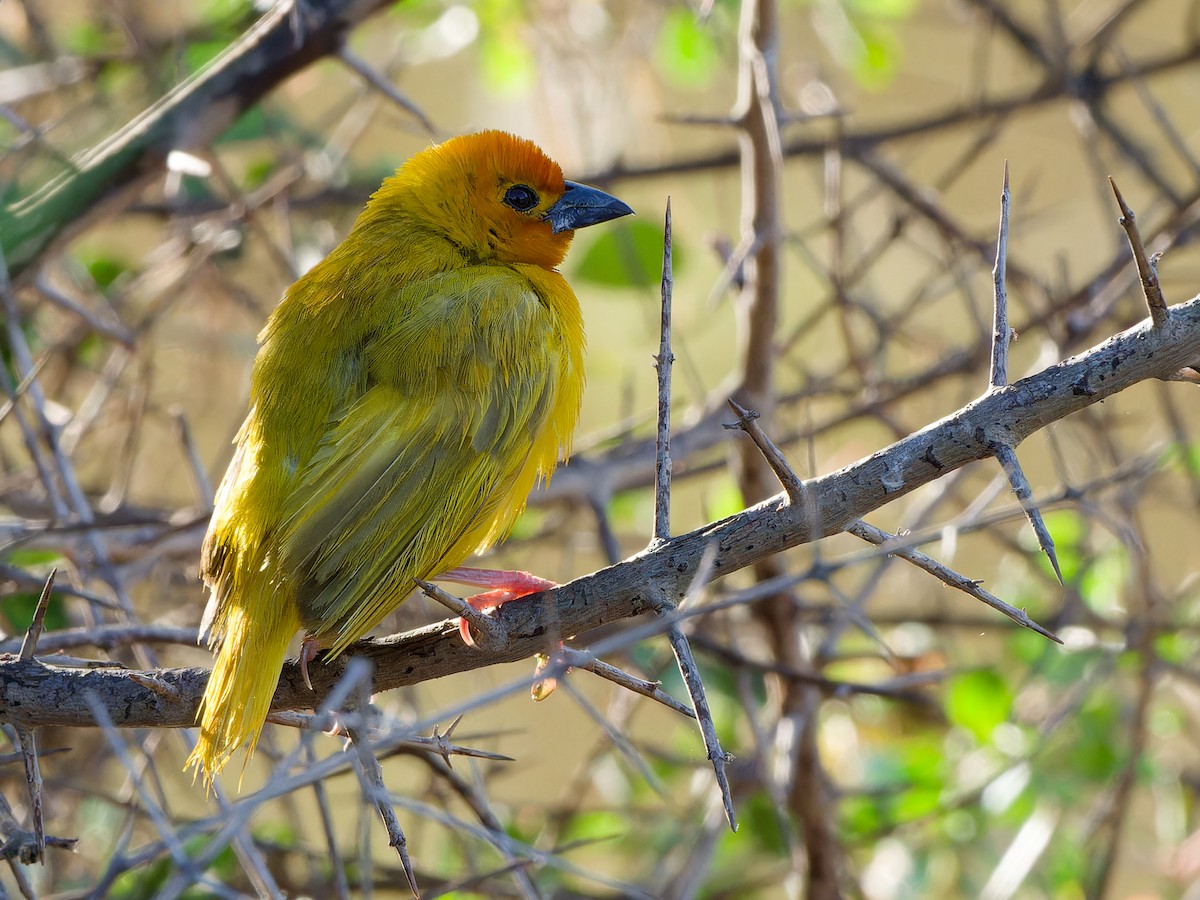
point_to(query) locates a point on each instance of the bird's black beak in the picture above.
(581, 206)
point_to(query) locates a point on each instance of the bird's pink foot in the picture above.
(505, 585)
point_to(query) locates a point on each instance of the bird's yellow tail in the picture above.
(246, 670)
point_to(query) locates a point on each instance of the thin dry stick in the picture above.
(795, 488)
(233, 816)
(114, 330)
(895, 545)
(376, 791)
(195, 112)
(998, 378)
(26, 736)
(620, 741)
(473, 794)
(10, 404)
(204, 489)
(1007, 457)
(438, 743)
(662, 531)
(29, 645)
(379, 82)
(748, 422)
(51, 696)
(577, 659)
(1001, 334)
(663, 362)
(341, 884)
(33, 783)
(695, 684)
(1146, 266)
(158, 817)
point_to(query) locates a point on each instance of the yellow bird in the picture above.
(408, 393)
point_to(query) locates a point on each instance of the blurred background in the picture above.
(834, 169)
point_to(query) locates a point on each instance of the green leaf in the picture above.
(18, 609)
(249, 126)
(89, 39)
(92, 350)
(598, 825)
(224, 14)
(508, 66)
(923, 761)
(631, 509)
(861, 39)
(917, 802)
(200, 53)
(685, 51)
(1185, 457)
(529, 524)
(961, 825)
(875, 63)
(723, 499)
(1174, 647)
(104, 269)
(1096, 745)
(32, 558)
(627, 255)
(762, 817)
(258, 171)
(978, 702)
(884, 9)
(1061, 668)
(1102, 584)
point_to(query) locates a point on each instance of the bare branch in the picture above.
(29, 645)
(194, 113)
(662, 363)
(1001, 333)
(1007, 458)
(379, 82)
(37, 694)
(695, 684)
(374, 788)
(1146, 266)
(895, 545)
(748, 422)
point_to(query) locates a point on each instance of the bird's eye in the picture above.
(521, 198)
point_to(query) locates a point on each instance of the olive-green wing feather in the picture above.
(436, 457)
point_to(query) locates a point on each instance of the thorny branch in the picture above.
(36, 694)
(1066, 311)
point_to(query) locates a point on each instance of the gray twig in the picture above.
(379, 82)
(577, 659)
(748, 422)
(1020, 485)
(376, 791)
(662, 532)
(29, 645)
(662, 363)
(1001, 333)
(708, 729)
(1146, 265)
(894, 545)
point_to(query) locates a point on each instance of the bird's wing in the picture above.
(436, 456)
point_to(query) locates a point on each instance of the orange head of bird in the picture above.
(499, 198)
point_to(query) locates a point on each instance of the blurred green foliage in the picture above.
(630, 254)
(686, 49)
